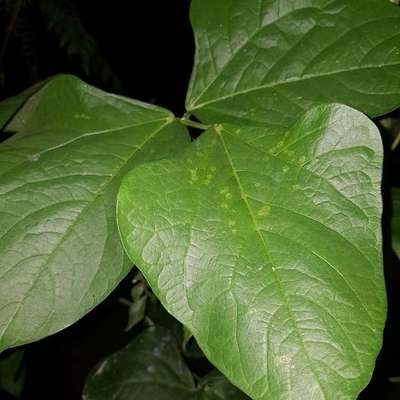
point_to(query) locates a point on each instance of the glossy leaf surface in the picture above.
(151, 367)
(266, 61)
(59, 246)
(268, 248)
(396, 220)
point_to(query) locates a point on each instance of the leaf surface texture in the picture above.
(59, 174)
(268, 248)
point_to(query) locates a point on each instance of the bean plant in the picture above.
(262, 236)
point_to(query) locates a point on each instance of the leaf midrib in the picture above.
(292, 80)
(192, 106)
(266, 251)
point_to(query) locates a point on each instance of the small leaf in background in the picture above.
(137, 305)
(396, 141)
(12, 372)
(190, 348)
(396, 220)
(391, 127)
(187, 335)
(157, 315)
(152, 367)
(59, 245)
(268, 248)
(267, 61)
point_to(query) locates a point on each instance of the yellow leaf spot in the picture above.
(193, 175)
(264, 211)
(218, 128)
(208, 179)
(224, 190)
(81, 116)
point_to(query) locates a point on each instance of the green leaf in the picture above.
(136, 313)
(13, 373)
(266, 61)
(151, 367)
(396, 220)
(59, 246)
(268, 248)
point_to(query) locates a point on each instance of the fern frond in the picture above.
(64, 20)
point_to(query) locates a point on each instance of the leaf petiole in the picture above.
(193, 124)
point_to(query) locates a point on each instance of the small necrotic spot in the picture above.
(33, 157)
(264, 211)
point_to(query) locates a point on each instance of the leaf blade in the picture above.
(59, 176)
(266, 62)
(257, 219)
(152, 366)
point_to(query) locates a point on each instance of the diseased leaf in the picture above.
(59, 246)
(396, 220)
(268, 248)
(151, 367)
(266, 61)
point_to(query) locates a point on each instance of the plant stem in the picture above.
(396, 142)
(193, 124)
(187, 115)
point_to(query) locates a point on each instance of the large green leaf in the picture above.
(266, 61)
(396, 220)
(269, 250)
(59, 246)
(151, 367)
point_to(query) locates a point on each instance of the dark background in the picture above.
(148, 49)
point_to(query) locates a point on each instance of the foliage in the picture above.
(262, 237)
(151, 367)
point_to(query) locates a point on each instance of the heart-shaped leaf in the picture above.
(151, 367)
(266, 61)
(396, 220)
(268, 248)
(59, 246)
